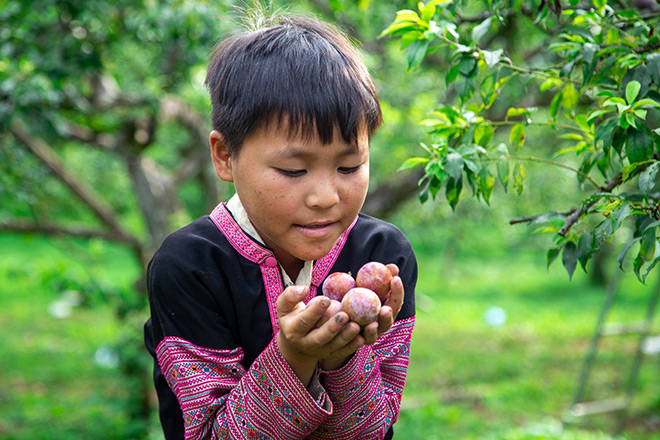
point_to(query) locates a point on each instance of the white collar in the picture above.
(240, 215)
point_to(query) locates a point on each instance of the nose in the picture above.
(323, 193)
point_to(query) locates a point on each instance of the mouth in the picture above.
(316, 230)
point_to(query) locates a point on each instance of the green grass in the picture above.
(467, 379)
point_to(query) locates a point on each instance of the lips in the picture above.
(317, 229)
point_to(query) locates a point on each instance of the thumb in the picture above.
(291, 296)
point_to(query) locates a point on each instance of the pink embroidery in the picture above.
(211, 372)
(258, 254)
(216, 393)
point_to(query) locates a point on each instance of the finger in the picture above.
(291, 296)
(370, 332)
(341, 336)
(385, 319)
(307, 318)
(394, 269)
(395, 300)
(350, 347)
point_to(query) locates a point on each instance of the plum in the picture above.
(337, 284)
(362, 305)
(375, 276)
(334, 308)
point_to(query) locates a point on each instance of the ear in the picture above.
(221, 157)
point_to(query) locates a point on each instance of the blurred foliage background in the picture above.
(104, 121)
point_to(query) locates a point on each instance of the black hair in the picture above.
(299, 69)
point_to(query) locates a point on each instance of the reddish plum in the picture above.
(362, 305)
(375, 276)
(337, 284)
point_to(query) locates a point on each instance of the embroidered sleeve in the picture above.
(366, 392)
(219, 399)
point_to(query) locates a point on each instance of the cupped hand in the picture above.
(300, 340)
(389, 310)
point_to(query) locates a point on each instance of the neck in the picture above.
(292, 267)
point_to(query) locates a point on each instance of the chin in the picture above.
(315, 254)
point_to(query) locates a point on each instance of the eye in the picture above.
(349, 170)
(291, 173)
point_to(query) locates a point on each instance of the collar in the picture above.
(237, 210)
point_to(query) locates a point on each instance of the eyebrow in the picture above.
(291, 152)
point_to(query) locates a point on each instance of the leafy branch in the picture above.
(605, 86)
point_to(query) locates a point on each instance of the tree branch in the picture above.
(575, 216)
(531, 218)
(83, 191)
(386, 197)
(54, 229)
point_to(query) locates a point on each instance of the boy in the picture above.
(237, 352)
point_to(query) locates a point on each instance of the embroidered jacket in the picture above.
(218, 372)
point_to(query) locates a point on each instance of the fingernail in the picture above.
(324, 303)
(339, 319)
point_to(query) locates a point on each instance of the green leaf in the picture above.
(646, 101)
(487, 90)
(405, 19)
(604, 133)
(413, 162)
(632, 90)
(518, 177)
(467, 66)
(427, 11)
(630, 170)
(503, 172)
(424, 192)
(588, 51)
(622, 255)
(569, 258)
(596, 114)
(552, 256)
(569, 98)
(647, 178)
(486, 183)
(492, 57)
(452, 73)
(434, 186)
(480, 30)
(416, 52)
(585, 248)
(602, 232)
(517, 136)
(554, 105)
(549, 84)
(653, 64)
(639, 144)
(647, 248)
(649, 268)
(454, 165)
(620, 214)
(514, 111)
(483, 134)
(464, 87)
(453, 191)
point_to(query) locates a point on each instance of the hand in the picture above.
(372, 331)
(301, 343)
(388, 311)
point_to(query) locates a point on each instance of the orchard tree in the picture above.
(583, 96)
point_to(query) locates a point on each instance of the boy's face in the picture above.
(300, 195)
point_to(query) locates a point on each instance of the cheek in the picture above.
(355, 190)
